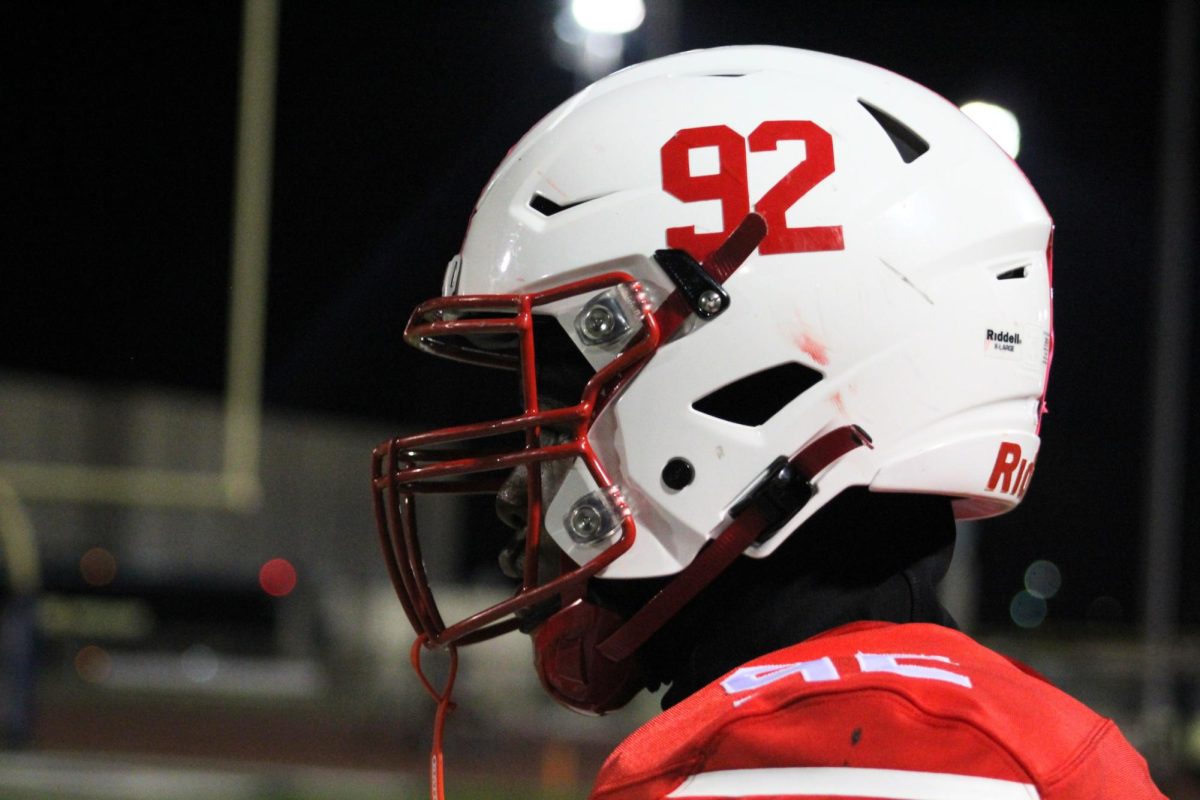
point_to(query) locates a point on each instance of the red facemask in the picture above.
(464, 459)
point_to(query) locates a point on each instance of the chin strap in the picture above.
(586, 656)
(444, 707)
(785, 489)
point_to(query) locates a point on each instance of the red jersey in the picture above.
(876, 710)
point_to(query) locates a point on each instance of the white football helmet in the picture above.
(788, 273)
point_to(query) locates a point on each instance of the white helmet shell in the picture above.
(906, 261)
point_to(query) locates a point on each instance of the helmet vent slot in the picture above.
(907, 142)
(1011, 274)
(545, 206)
(756, 398)
(548, 208)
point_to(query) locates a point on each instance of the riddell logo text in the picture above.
(1003, 340)
(1011, 473)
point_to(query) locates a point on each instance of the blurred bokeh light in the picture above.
(998, 122)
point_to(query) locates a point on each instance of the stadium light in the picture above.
(608, 16)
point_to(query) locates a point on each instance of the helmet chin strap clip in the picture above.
(778, 497)
(786, 486)
(701, 291)
(700, 287)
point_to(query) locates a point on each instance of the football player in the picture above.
(778, 318)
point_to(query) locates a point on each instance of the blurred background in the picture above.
(222, 214)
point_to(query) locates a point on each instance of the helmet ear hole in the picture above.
(754, 399)
(678, 473)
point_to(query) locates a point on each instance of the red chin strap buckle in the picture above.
(569, 663)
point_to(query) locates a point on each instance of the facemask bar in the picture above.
(438, 461)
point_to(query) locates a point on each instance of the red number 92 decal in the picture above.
(729, 185)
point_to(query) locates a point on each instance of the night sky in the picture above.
(119, 121)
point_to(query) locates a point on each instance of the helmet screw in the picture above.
(598, 323)
(678, 473)
(584, 523)
(709, 302)
(593, 517)
(602, 321)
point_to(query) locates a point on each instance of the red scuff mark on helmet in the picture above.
(839, 403)
(816, 350)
